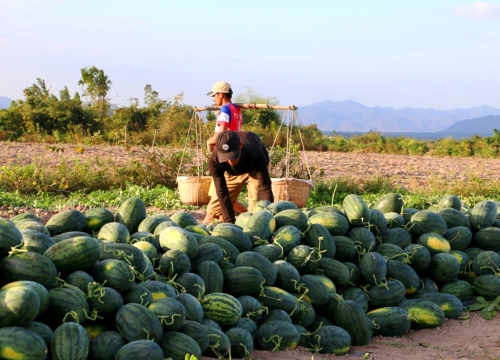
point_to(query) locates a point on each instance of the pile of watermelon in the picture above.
(98, 285)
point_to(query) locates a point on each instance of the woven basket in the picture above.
(193, 190)
(294, 190)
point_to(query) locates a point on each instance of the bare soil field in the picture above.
(472, 338)
(409, 171)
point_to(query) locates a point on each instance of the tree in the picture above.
(263, 117)
(95, 85)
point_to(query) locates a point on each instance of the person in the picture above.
(239, 153)
(229, 118)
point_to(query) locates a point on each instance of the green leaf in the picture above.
(476, 306)
(488, 315)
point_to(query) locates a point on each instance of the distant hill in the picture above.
(350, 116)
(461, 129)
(481, 126)
(4, 102)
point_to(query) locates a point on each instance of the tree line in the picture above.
(90, 117)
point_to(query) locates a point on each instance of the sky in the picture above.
(390, 53)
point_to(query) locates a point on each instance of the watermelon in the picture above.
(150, 223)
(170, 312)
(459, 237)
(391, 202)
(105, 300)
(260, 226)
(435, 243)
(183, 219)
(140, 349)
(454, 217)
(483, 214)
(179, 239)
(488, 238)
(345, 248)
(17, 343)
(19, 305)
(36, 241)
(378, 223)
(29, 266)
(96, 218)
(279, 206)
(243, 280)
(258, 261)
(116, 273)
(373, 267)
(241, 342)
(212, 276)
(423, 314)
(390, 321)
(179, 346)
(487, 286)
(114, 232)
(397, 236)
(193, 308)
(137, 322)
(352, 318)
(219, 344)
(197, 332)
(426, 221)
(137, 294)
(67, 304)
(66, 220)
(273, 297)
(70, 341)
(356, 210)
(277, 335)
(335, 223)
(41, 329)
(106, 345)
(222, 308)
(450, 201)
(131, 213)
(41, 291)
(78, 253)
(287, 237)
(460, 288)
(234, 235)
(291, 217)
(10, 235)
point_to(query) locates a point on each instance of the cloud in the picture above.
(3, 40)
(479, 10)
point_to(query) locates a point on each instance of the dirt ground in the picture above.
(472, 338)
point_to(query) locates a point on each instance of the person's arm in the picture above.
(266, 192)
(211, 140)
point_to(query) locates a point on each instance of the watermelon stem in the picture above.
(96, 291)
(74, 314)
(93, 315)
(276, 340)
(164, 321)
(263, 309)
(17, 249)
(315, 348)
(142, 299)
(248, 354)
(61, 283)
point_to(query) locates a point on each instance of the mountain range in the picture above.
(4, 102)
(350, 116)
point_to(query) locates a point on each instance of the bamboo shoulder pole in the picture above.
(248, 106)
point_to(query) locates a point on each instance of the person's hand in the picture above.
(210, 147)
